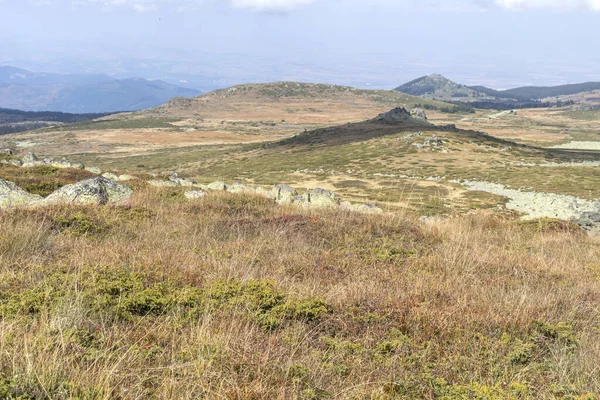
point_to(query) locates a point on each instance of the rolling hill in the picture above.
(31, 91)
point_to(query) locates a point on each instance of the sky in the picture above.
(208, 44)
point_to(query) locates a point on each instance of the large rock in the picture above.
(322, 198)
(31, 160)
(217, 185)
(6, 151)
(11, 195)
(419, 114)
(97, 190)
(284, 194)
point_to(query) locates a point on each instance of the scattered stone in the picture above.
(11, 195)
(433, 141)
(62, 163)
(99, 191)
(195, 194)
(13, 161)
(182, 181)
(412, 135)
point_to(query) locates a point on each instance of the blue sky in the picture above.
(374, 43)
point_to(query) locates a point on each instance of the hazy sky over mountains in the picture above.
(374, 43)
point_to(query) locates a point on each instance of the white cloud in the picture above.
(270, 5)
(550, 4)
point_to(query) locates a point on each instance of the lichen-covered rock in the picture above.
(111, 176)
(125, 178)
(322, 198)
(11, 195)
(284, 194)
(63, 163)
(13, 161)
(195, 194)
(94, 170)
(240, 187)
(31, 160)
(418, 113)
(217, 185)
(159, 183)
(99, 190)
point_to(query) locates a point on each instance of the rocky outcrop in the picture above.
(12, 196)
(419, 114)
(401, 114)
(99, 191)
(31, 160)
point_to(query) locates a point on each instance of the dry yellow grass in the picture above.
(232, 297)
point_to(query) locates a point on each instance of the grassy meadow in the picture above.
(233, 297)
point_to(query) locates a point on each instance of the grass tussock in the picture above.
(232, 297)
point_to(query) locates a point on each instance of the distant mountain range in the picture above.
(441, 88)
(75, 93)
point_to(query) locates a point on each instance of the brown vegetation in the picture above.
(232, 297)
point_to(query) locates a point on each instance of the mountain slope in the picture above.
(30, 91)
(438, 87)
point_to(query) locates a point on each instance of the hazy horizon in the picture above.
(380, 44)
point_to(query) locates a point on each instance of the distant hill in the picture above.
(32, 91)
(443, 89)
(12, 121)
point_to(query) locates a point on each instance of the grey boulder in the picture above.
(11, 195)
(97, 191)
